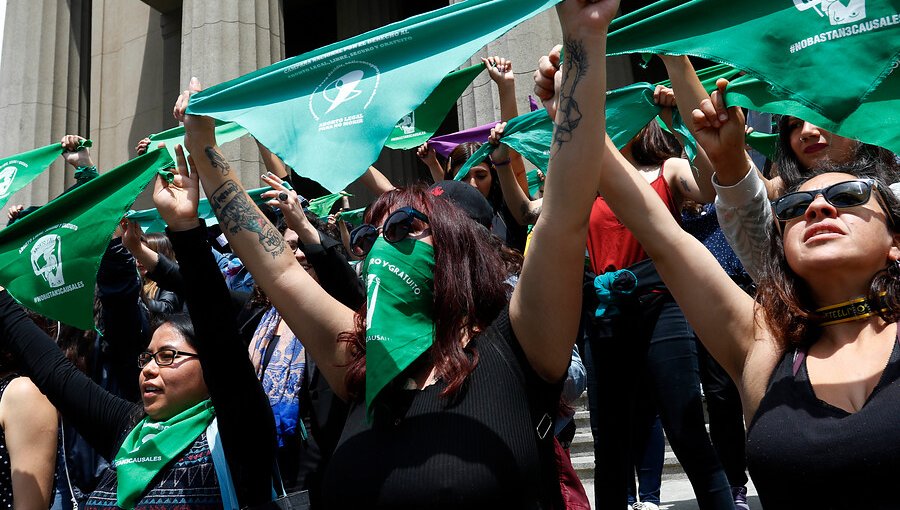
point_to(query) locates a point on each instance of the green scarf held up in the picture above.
(151, 445)
(18, 171)
(400, 298)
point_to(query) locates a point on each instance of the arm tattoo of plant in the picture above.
(576, 66)
(530, 212)
(684, 185)
(236, 212)
(217, 160)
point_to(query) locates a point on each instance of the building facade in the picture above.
(110, 70)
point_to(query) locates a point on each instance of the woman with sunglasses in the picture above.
(743, 193)
(452, 389)
(816, 357)
(162, 452)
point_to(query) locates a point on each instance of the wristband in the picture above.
(500, 163)
(86, 172)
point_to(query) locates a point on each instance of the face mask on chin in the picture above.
(400, 299)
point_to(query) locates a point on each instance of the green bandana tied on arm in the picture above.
(151, 445)
(49, 259)
(18, 171)
(225, 132)
(400, 298)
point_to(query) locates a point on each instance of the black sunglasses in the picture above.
(841, 195)
(395, 229)
(163, 357)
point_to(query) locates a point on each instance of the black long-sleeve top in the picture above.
(246, 425)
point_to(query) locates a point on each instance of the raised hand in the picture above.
(547, 80)
(500, 153)
(71, 154)
(287, 201)
(199, 131)
(142, 146)
(664, 96)
(131, 236)
(14, 211)
(499, 69)
(720, 130)
(586, 18)
(427, 154)
(177, 201)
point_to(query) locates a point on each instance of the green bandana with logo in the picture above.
(399, 323)
(151, 445)
(49, 259)
(827, 55)
(18, 171)
(328, 112)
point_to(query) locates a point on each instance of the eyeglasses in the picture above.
(841, 195)
(395, 229)
(163, 357)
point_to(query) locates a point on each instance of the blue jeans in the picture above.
(650, 343)
(649, 454)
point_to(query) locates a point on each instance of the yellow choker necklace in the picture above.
(853, 310)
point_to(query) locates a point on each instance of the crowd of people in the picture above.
(429, 356)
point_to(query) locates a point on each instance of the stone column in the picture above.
(43, 84)
(224, 39)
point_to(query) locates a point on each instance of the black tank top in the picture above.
(804, 452)
(6, 493)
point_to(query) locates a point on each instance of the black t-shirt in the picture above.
(478, 448)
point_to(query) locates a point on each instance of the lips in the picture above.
(821, 229)
(150, 390)
(816, 147)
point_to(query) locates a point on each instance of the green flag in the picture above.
(151, 221)
(764, 143)
(875, 121)
(18, 171)
(824, 54)
(49, 259)
(416, 127)
(628, 110)
(353, 217)
(225, 132)
(328, 113)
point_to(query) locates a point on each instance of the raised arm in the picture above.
(311, 313)
(30, 428)
(546, 304)
(523, 208)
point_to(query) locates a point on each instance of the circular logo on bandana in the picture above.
(347, 90)
(7, 176)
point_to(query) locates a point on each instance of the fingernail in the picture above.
(723, 117)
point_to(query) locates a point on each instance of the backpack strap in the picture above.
(223, 472)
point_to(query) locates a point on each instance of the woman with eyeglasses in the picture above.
(816, 356)
(196, 385)
(452, 387)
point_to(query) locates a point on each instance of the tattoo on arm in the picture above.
(236, 212)
(530, 212)
(684, 185)
(217, 160)
(576, 66)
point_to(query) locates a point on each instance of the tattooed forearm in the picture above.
(568, 113)
(530, 212)
(236, 213)
(217, 160)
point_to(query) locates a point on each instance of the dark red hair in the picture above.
(469, 288)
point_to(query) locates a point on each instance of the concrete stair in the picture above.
(582, 448)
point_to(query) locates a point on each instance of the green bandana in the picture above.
(416, 127)
(628, 110)
(49, 259)
(18, 171)
(151, 445)
(225, 132)
(400, 297)
(328, 112)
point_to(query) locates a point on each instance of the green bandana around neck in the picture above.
(399, 323)
(151, 445)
